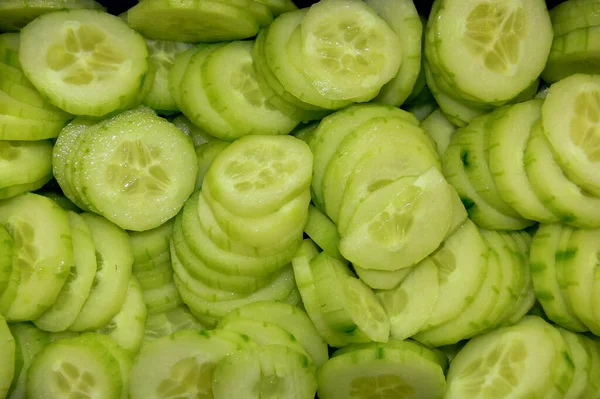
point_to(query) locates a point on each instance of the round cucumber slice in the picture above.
(24, 162)
(389, 371)
(90, 62)
(192, 21)
(265, 371)
(572, 136)
(256, 175)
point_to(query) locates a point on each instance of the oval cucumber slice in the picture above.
(440, 129)
(24, 162)
(148, 245)
(198, 136)
(270, 370)
(582, 360)
(166, 323)
(7, 348)
(77, 288)
(29, 340)
(91, 62)
(176, 73)
(114, 261)
(323, 232)
(571, 15)
(206, 154)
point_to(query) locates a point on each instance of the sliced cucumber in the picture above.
(440, 129)
(571, 15)
(7, 348)
(166, 323)
(15, 128)
(43, 253)
(162, 299)
(363, 373)
(176, 73)
(24, 162)
(29, 340)
(114, 261)
(192, 21)
(6, 259)
(323, 232)
(265, 371)
(582, 359)
(90, 63)
(77, 288)
(148, 245)
(197, 135)
(574, 52)
(206, 154)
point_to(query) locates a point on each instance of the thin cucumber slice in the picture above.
(15, 128)
(128, 168)
(440, 129)
(518, 37)
(16, 14)
(323, 232)
(176, 73)
(263, 333)
(25, 93)
(24, 162)
(569, 136)
(289, 318)
(523, 290)
(410, 312)
(571, 15)
(404, 20)
(334, 128)
(474, 155)
(148, 245)
(15, 107)
(7, 348)
(278, 7)
(162, 299)
(230, 84)
(277, 290)
(564, 198)
(192, 21)
(509, 131)
(363, 373)
(265, 371)
(181, 364)
(482, 213)
(9, 49)
(6, 259)
(65, 72)
(127, 327)
(77, 288)
(166, 323)
(582, 359)
(579, 275)
(29, 340)
(592, 387)
(14, 190)
(154, 264)
(198, 136)
(574, 52)
(114, 260)
(43, 253)
(159, 276)
(306, 132)
(206, 154)
(162, 55)
(373, 240)
(347, 304)
(529, 345)
(287, 65)
(214, 278)
(370, 57)
(381, 279)
(69, 366)
(257, 175)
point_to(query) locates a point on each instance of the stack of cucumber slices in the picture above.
(243, 199)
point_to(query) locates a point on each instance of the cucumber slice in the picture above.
(148, 245)
(90, 63)
(509, 131)
(570, 136)
(28, 342)
(197, 135)
(176, 73)
(381, 370)
(564, 198)
(9, 49)
(192, 21)
(162, 56)
(278, 7)
(15, 128)
(6, 259)
(440, 129)
(16, 14)
(162, 299)
(582, 359)
(266, 371)
(206, 154)
(404, 20)
(127, 326)
(230, 84)
(289, 318)
(13, 191)
(257, 175)
(341, 61)
(126, 170)
(409, 312)
(166, 323)
(498, 355)
(181, 364)
(71, 366)
(11, 106)
(592, 387)
(23, 162)
(574, 52)
(7, 348)
(43, 253)
(114, 260)
(493, 53)
(347, 304)
(159, 276)
(323, 232)
(77, 288)
(571, 15)
(154, 265)
(263, 333)
(286, 64)
(579, 275)
(381, 279)
(382, 234)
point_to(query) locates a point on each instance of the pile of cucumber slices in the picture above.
(243, 199)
